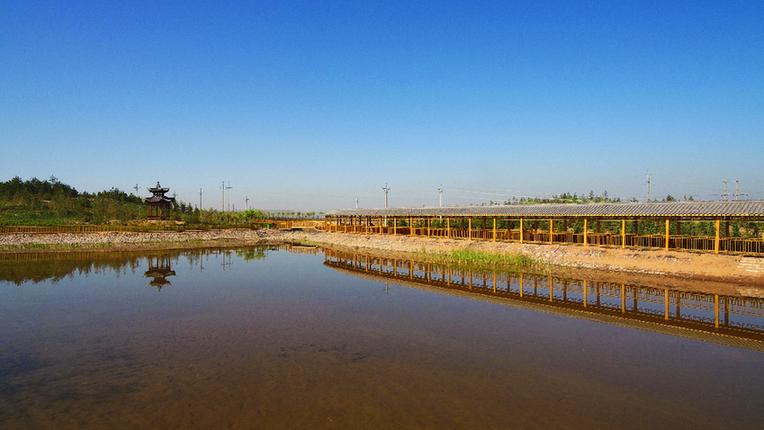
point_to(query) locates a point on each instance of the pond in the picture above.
(296, 337)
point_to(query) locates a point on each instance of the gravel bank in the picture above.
(132, 240)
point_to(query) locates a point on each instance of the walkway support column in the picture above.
(448, 227)
(551, 230)
(668, 227)
(428, 227)
(411, 226)
(586, 231)
(469, 228)
(718, 235)
(586, 298)
(494, 230)
(623, 233)
(716, 311)
(395, 226)
(521, 230)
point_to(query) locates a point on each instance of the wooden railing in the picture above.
(729, 245)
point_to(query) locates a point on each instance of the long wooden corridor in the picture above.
(731, 227)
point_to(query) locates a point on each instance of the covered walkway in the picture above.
(722, 226)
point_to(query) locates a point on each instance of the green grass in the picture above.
(306, 242)
(481, 259)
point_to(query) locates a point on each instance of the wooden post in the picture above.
(521, 286)
(395, 226)
(623, 233)
(586, 299)
(586, 232)
(623, 298)
(521, 230)
(668, 226)
(411, 226)
(716, 310)
(428, 227)
(494, 232)
(666, 303)
(448, 227)
(550, 283)
(551, 230)
(718, 235)
(469, 228)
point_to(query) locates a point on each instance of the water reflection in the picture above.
(160, 268)
(737, 316)
(35, 268)
(279, 339)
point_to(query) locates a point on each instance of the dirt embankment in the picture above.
(120, 241)
(664, 264)
(655, 263)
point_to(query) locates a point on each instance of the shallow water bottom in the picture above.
(276, 339)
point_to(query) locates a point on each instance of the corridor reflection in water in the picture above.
(277, 338)
(734, 316)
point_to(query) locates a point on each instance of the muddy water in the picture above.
(273, 338)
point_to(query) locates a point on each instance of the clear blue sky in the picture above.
(308, 105)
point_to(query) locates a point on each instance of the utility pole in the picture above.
(222, 187)
(649, 187)
(356, 202)
(440, 196)
(738, 193)
(725, 191)
(229, 187)
(246, 203)
(136, 189)
(386, 189)
(200, 199)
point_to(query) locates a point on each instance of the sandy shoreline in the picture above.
(650, 263)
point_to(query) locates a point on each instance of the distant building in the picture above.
(158, 205)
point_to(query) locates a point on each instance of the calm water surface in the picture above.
(273, 338)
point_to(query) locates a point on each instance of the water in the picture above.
(276, 338)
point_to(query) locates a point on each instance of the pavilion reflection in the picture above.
(160, 268)
(738, 316)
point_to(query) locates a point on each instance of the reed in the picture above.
(473, 258)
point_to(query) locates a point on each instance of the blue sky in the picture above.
(308, 105)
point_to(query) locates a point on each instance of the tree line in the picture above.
(50, 202)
